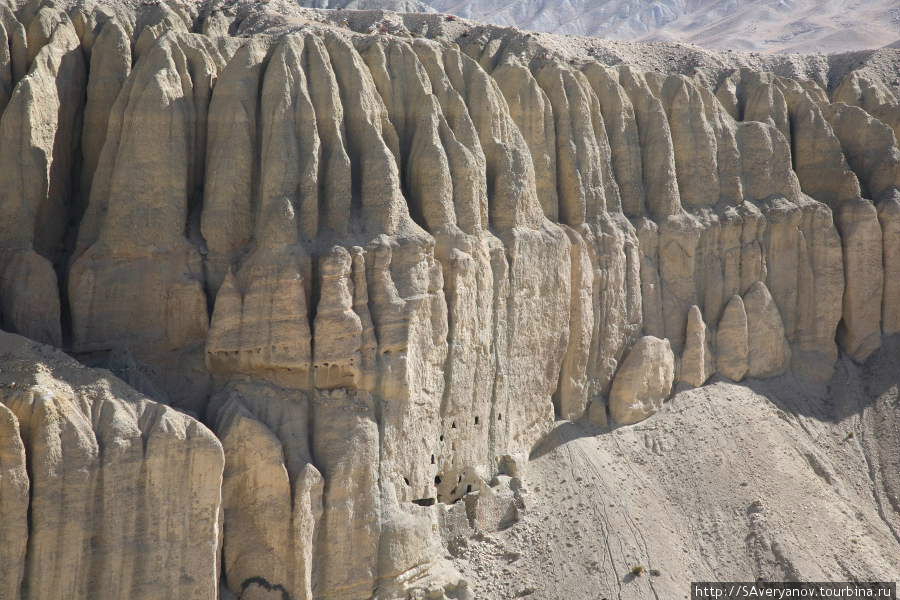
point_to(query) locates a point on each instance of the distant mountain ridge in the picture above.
(806, 26)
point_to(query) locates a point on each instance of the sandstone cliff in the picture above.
(379, 268)
(91, 470)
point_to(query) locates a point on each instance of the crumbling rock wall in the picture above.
(379, 267)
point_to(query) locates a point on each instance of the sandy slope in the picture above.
(729, 483)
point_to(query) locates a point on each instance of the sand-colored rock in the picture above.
(618, 309)
(818, 157)
(643, 382)
(416, 115)
(889, 217)
(17, 48)
(860, 330)
(109, 68)
(345, 444)
(29, 296)
(14, 500)
(264, 328)
(95, 450)
(382, 266)
(732, 341)
(768, 352)
(572, 395)
(271, 491)
(39, 128)
(583, 167)
(821, 283)
(228, 218)
(864, 89)
(531, 110)
(870, 146)
(697, 361)
(140, 201)
(660, 183)
(337, 360)
(694, 143)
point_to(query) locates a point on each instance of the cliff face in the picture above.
(379, 268)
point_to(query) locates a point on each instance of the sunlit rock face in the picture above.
(375, 270)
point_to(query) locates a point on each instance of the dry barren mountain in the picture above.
(749, 25)
(310, 304)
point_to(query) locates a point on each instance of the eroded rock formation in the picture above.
(91, 470)
(378, 268)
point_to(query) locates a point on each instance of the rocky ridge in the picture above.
(379, 267)
(799, 26)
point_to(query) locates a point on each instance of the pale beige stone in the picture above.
(768, 351)
(870, 146)
(859, 332)
(228, 218)
(624, 138)
(271, 491)
(697, 361)
(37, 162)
(530, 108)
(110, 66)
(392, 262)
(337, 361)
(95, 450)
(732, 341)
(864, 89)
(138, 213)
(660, 182)
(572, 395)
(889, 217)
(345, 443)
(643, 382)
(14, 500)
(694, 143)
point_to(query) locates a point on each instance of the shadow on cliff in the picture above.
(562, 433)
(853, 388)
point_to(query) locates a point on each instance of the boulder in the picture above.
(643, 382)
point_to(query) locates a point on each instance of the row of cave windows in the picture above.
(437, 478)
(453, 425)
(441, 439)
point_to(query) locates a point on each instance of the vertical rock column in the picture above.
(272, 492)
(136, 280)
(39, 134)
(14, 499)
(345, 442)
